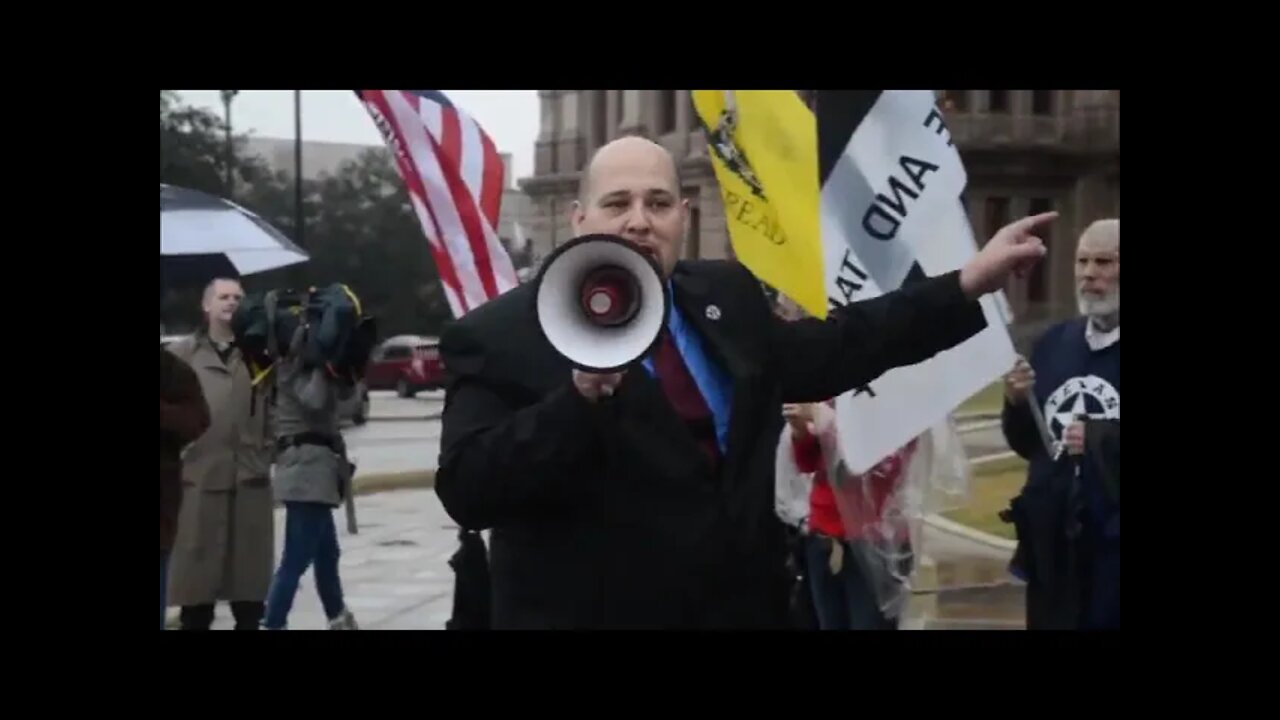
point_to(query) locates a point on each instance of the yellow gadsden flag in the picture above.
(764, 148)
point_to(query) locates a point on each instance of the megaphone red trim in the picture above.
(606, 296)
(610, 296)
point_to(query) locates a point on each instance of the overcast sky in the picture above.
(509, 116)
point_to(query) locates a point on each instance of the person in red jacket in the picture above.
(184, 416)
(857, 536)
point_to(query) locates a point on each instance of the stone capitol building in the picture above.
(1026, 151)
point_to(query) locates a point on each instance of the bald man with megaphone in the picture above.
(614, 421)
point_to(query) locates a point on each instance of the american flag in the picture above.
(454, 176)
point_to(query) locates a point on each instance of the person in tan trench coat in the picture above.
(225, 546)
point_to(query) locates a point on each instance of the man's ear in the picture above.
(576, 215)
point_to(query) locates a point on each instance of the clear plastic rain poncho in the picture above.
(883, 510)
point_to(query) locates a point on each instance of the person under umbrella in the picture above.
(225, 541)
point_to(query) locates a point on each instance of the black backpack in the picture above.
(339, 336)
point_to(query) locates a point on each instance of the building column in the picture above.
(1020, 103)
(977, 203)
(1068, 227)
(1060, 260)
(1093, 200)
(714, 235)
(591, 124)
(569, 145)
(651, 102)
(612, 114)
(1017, 288)
(693, 230)
(544, 157)
(684, 122)
(553, 221)
(630, 121)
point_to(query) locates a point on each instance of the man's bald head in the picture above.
(624, 149)
(631, 189)
(1102, 236)
(1098, 270)
(221, 298)
(217, 285)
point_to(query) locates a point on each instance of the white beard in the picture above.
(1099, 307)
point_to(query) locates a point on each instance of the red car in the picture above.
(406, 363)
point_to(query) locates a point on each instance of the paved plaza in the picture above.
(395, 571)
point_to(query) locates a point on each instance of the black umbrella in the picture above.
(203, 236)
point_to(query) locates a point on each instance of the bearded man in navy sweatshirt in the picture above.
(1068, 514)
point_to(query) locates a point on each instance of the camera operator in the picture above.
(312, 477)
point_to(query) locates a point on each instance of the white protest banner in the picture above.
(891, 183)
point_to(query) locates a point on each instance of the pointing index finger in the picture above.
(1032, 221)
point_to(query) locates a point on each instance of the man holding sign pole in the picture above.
(1062, 413)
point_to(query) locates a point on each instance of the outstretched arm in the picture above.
(861, 341)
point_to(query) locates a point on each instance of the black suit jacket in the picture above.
(608, 514)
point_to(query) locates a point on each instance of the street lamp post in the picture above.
(227, 97)
(299, 219)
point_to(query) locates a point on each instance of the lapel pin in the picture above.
(713, 312)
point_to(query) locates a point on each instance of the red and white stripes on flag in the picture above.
(454, 176)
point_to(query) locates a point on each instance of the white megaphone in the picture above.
(600, 302)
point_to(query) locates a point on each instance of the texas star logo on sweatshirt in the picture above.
(1087, 395)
